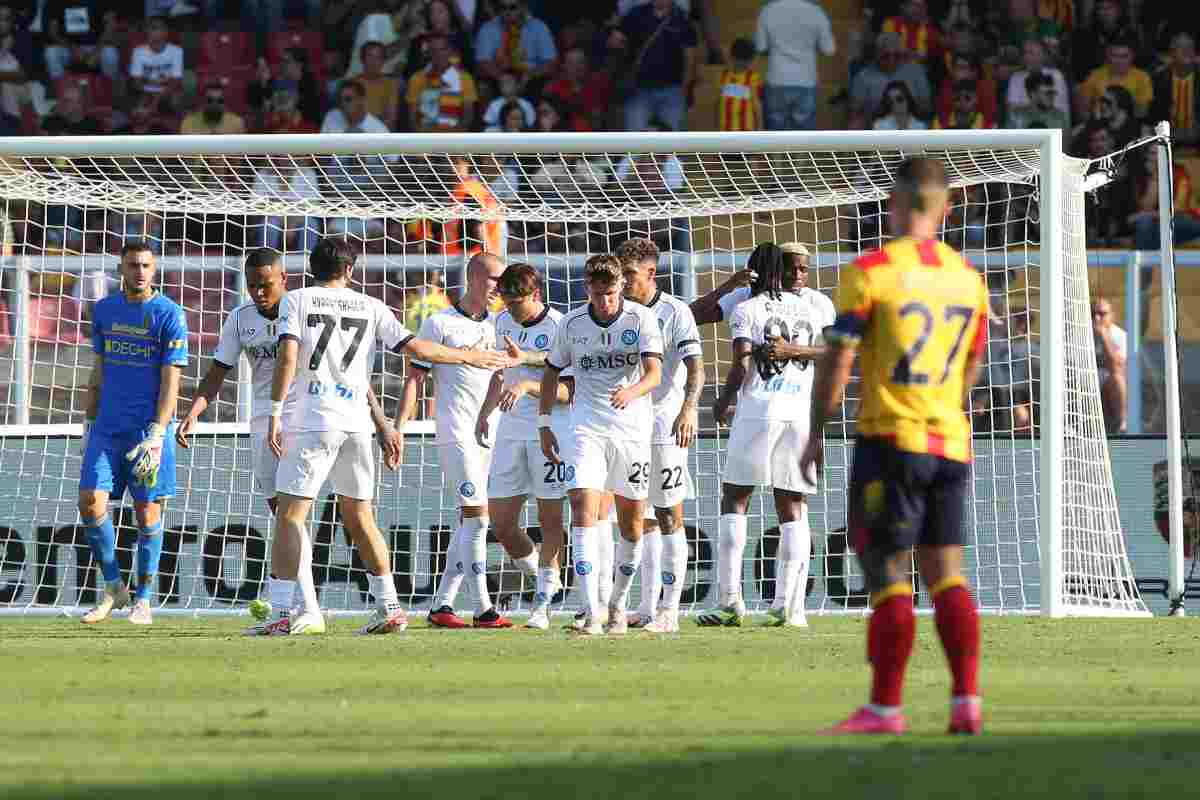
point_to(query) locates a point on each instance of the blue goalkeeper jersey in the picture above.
(136, 340)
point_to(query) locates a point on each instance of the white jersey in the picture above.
(247, 331)
(337, 330)
(459, 390)
(604, 357)
(785, 396)
(681, 339)
(520, 424)
(728, 302)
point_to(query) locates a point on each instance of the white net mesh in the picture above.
(416, 218)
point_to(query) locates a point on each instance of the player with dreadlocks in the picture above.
(778, 327)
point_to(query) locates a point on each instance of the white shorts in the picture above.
(520, 469)
(465, 468)
(309, 457)
(609, 465)
(263, 464)
(670, 480)
(765, 453)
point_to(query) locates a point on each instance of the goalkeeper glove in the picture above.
(147, 455)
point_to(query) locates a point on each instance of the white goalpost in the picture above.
(1042, 530)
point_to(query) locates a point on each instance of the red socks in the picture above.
(958, 627)
(890, 633)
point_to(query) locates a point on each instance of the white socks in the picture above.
(674, 568)
(731, 545)
(384, 590)
(528, 564)
(281, 592)
(791, 565)
(547, 580)
(604, 560)
(457, 563)
(306, 591)
(628, 556)
(652, 550)
(583, 551)
(475, 544)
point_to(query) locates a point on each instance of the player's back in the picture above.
(136, 340)
(536, 335)
(337, 329)
(460, 389)
(922, 312)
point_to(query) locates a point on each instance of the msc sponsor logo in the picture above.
(541, 341)
(609, 361)
(260, 352)
(629, 337)
(466, 489)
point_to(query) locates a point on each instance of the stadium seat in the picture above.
(225, 49)
(309, 41)
(97, 92)
(204, 329)
(56, 320)
(235, 81)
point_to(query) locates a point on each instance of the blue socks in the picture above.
(102, 538)
(149, 550)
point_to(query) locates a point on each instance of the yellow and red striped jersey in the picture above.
(921, 39)
(741, 97)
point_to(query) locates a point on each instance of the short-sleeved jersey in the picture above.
(681, 340)
(917, 311)
(729, 301)
(337, 329)
(459, 390)
(136, 340)
(782, 393)
(604, 357)
(248, 331)
(520, 424)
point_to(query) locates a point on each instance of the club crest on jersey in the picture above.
(629, 336)
(583, 568)
(541, 341)
(466, 489)
(478, 567)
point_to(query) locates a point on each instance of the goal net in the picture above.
(1042, 528)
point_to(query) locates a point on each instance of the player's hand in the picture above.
(491, 359)
(482, 431)
(182, 431)
(684, 427)
(392, 444)
(814, 455)
(722, 412)
(621, 398)
(275, 437)
(549, 445)
(146, 455)
(511, 394)
(743, 277)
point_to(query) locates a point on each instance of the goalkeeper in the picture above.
(140, 340)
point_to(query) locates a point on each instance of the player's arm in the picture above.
(779, 349)
(390, 440)
(547, 394)
(742, 353)
(684, 428)
(435, 353)
(707, 309)
(91, 403)
(206, 393)
(286, 357)
(411, 395)
(146, 455)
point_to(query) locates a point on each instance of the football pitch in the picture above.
(190, 709)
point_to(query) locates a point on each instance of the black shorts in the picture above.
(899, 500)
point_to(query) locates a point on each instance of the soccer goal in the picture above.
(1042, 528)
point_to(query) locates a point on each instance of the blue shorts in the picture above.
(106, 468)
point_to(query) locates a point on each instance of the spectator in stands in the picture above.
(70, 117)
(157, 67)
(741, 105)
(351, 115)
(959, 41)
(1041, 111)
(510, 94)
(1117, 111)
(213, 118)
(429, 299)
(472, 236)
(1106, 211)
(550, 118)
(967, 68)
(583, 94)
(1109, 23)
(896, 110)
(143, 117)
(73, 29)
(663, 43)
(649, 178)
(440, 20)
(267, 16)
(1022, 23)
(791, 32)
(1118, 70)
(16, 49)
(1177, 91)
(1160, 20)
(392, 23)
(515, 41)
(293, 71)
(296, 179)
(283, 111)
(383, 91)
(441, 97)
(866, 90)
(1185, 224)
(919, 36)
(701, 11)
(1111, 350)
(1034, 59)
(966, 114)
(513, 119)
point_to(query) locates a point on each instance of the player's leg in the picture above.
(549, 582)
(148, 502)
(791, 560)
(353, 480)
(606, 518)
(955, 612)
(586, 475)
(629, 481)
(670, 485)
(265, 467)
(95, 486)
(651, 570)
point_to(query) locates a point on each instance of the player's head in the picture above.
(602, 276)
(264, 278)
(797, 256)
(919, 197)
(331, 259)
(483, 273)
(772, 270)
(742, 52)
(1101, 310)
(137, 268)
(639, 266)
(521, 290)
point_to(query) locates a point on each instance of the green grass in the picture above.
(189, 709)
